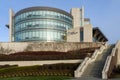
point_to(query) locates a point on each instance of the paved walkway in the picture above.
(92, 78)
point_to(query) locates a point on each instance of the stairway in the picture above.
(94, 69)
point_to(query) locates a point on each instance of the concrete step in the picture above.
(87, 78)
(94, 69)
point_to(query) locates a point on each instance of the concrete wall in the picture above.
(11, 20)
(112, 61)
(73, 35)
(110, 64)
(78, 17)
(31, 63)
(88, 33)
(8, 48)
(118, 55)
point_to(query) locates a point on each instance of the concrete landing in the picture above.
(92, 78)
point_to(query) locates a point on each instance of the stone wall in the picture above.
(73, 35)
(88, 33)
(111, 62)
(8, 48)
(118, 57)
(32, 63)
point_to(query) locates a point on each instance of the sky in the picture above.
(104, 14)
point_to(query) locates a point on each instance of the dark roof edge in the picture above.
(86, 19)
(100, 32)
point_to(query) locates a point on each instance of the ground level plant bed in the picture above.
(48, 55)
(44, 70)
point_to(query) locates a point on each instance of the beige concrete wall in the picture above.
(73, 35)
(31, 63)
(78, 17)
(110, 64)
(11, 19)
(82, 16)
(112, 61)
(118, 55)
(8, 48)
(118, 58)
(88, 33)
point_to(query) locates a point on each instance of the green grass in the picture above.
(45, 70)
(38, 78)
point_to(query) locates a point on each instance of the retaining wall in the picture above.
(111, 62)
(13, 47)
(31, 63)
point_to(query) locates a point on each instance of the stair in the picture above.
(94, 69)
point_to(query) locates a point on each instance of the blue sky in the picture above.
(104, 14)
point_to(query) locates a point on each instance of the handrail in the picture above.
(94, 54)
(105, 64)
(81, 67)
(97, 52)
(83, 63)
(109, 61)
(109, 64)
(79, 71)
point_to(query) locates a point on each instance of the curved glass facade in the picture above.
(41, 25)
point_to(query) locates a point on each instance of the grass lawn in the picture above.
(38, 78)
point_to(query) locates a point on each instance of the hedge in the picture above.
(48, 55)
(45, 70)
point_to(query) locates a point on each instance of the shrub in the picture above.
(48, 55)
(45, 70)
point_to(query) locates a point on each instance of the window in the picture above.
(81, 35)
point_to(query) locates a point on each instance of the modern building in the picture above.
(45, 35)
(82, 30)
(52, 25)
(39, 24)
